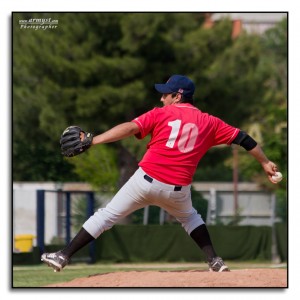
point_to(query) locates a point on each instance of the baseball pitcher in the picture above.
(180, 135)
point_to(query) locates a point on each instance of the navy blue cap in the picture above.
(177, 84)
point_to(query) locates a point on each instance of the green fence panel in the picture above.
(281, 239)
(170, 243)
(27, 258)
(132, 243)
(242, 242)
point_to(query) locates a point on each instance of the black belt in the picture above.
(177, 188)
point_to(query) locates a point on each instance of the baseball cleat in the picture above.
(56, 260)
(217, 265)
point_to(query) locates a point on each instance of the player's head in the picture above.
(178, 84)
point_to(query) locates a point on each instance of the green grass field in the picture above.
(41, 275)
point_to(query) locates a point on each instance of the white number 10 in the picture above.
(187, 140)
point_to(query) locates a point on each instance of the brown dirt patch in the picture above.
(236, 278)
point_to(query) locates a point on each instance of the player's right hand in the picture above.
(270, 168)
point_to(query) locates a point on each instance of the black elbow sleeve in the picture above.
(245, 141)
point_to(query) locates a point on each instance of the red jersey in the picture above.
(180, 135)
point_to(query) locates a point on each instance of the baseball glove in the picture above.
(70, 142)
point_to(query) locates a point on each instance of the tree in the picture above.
(92, 71)
(98, 69)
(64, 77)
(271, 113)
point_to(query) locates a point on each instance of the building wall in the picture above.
(24, 209)
(253, 205)
(252, 22)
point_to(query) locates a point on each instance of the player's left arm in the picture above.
(116, 133)
(253, 148)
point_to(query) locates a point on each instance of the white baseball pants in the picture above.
(138, 193)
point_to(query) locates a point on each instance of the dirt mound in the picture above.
(236, 278)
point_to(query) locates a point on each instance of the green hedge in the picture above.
(170, 243)
(281, 238)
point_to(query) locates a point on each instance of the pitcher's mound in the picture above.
(236, 278)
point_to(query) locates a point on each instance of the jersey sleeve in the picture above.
(146, 123)
(224, 133)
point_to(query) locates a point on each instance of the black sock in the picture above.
(81, 239)
(201, 236)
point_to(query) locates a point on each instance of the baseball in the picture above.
(277, 177)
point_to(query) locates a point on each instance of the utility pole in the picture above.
(235, 179)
